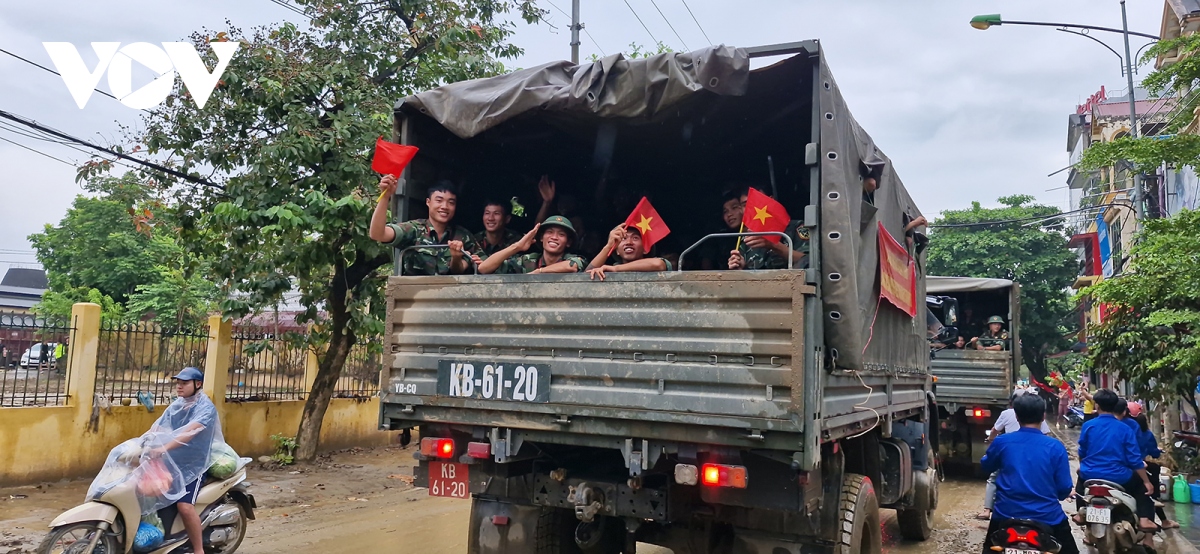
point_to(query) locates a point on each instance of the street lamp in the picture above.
(985, 22)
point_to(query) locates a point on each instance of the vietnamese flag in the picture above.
(763, 214)
(648, 222)
(391, 158)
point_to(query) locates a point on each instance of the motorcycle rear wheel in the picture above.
(74, 538)
(240, 529)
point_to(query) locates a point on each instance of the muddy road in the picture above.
(362, 501)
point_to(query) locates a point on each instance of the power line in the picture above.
(40, 66)
(660, 12)
(5, 126)
(639, 18)
(37, 151)
(689, 10)
(1026, 219)
(289, 6)
(585, 31)
(172, 172)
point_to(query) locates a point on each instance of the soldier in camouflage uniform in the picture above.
(556, 234)
(760, 253)
(442, 202)
(495, 235)
(995, 338)
(626, 242)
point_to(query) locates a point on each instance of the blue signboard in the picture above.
(1105, 248)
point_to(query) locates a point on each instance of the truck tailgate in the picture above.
(703, 349)
(973, 377)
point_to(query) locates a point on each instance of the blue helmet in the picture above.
(190, 374)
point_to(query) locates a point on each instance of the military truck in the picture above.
(770, 411)
(973, 386)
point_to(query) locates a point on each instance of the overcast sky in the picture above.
(964, 114)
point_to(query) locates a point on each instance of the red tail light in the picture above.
(1029, 537)
(718, 475)
(437, 448)
(977, 412)
(1098, 490)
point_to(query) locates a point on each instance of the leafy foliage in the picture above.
(1172, 149)
(285, 448)
(283, 150)
(1150, 331)
(1031, 250)
(117, 249)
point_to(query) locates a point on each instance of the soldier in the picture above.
(631, 254)
(496, 235)
(995, 338)
(760, 253)
(442, 201)
(557, 235)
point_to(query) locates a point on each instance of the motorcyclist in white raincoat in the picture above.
(184, 435)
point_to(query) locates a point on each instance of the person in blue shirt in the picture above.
(1108, 450)
(1033, 476)
(1148, 444)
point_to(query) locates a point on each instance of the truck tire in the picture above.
(916, 522)
(859, 517)
(556, 534)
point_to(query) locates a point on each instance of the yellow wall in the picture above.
(52, 443)
(48, 444)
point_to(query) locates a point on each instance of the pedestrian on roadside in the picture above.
(1089, 405)
(1033, 476)
(1148, 444)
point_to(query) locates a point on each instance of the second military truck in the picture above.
(766, 412)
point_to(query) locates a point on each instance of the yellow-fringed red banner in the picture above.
(897, 274)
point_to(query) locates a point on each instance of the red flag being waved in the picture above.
(647, 221)
(391, 158)
(763, 214)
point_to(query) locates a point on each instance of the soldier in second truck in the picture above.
(995, 338)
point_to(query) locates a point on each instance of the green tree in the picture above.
(1020, 241)
(284, 146)
(97, 245)
(1150, 331)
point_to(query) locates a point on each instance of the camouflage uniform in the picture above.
(428, 261)
(670, 267)
(988, 339)
(763, 258)
(526, 263)
(510, 238)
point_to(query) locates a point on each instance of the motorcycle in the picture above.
(1187, 443)
(1074, 417)
(109, 523)
(1017, 536)
(1110, 519)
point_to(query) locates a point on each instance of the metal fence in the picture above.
(33, 367)
(266, 366)
(136, 361)
(360, 376)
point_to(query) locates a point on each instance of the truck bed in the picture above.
(972, 377)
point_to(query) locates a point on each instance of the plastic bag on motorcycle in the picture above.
(173, 453)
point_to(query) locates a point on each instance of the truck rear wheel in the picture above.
(859, 517)
(557, 529)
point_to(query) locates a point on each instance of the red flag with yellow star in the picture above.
(763, 214)
(647, 221)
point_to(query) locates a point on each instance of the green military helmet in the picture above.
(560, 221)
(995, 319)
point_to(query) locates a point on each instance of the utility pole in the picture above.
(575, 27)
(1133, 126)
